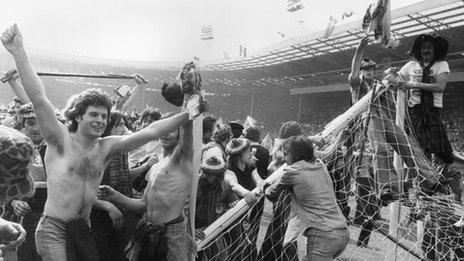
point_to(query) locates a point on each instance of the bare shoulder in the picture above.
(109, 141)
(108, 144)
(229, 174)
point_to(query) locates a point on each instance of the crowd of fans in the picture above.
(143, 159)
(271, 112)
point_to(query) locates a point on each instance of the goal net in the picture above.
(398, 203)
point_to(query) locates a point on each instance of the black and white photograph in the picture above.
(246, 130)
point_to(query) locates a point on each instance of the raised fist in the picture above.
(12, 39)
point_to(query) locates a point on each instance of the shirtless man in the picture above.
(165, 198)
(75, 158)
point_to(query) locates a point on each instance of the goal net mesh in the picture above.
(411, 215)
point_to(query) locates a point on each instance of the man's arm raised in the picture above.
(357, 58)
(123, 144)
(185, 147)
(52, 130)
(137, 94)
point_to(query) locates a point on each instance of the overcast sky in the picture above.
(169, 30)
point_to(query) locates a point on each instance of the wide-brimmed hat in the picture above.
(237, 128)
(213, 165)
(237, 146)
(440, 44)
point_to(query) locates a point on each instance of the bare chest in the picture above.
(86, 167)
(86, 164)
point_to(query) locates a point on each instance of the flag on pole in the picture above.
(330, 26)
(267, 142)
(196, 61)
(226, 56)
(379, 21)
(243, 51)
(366, 24)
(294, 5)
(206, 32)
(249, 122)
(220, 122)
(346, 14)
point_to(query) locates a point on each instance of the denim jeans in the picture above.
(177, 241)
(50, 239)
(326, 244)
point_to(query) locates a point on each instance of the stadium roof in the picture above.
(424, 17)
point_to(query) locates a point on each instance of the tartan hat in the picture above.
(222, 133)
(237, 146)
(213, 165)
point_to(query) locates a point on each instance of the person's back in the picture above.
(314, 193)
(314, 209)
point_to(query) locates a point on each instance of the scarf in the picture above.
(426, 96)
(208, 198)
(117, 175)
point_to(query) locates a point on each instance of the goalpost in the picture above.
(254, 233)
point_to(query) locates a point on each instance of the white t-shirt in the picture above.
(412, 71)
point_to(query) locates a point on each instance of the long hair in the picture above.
(300, 147)
(440, 44)
(232, 160)
(77, 105)
(153, 113)
(115, 116)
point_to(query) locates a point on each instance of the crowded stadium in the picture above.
(262, 133)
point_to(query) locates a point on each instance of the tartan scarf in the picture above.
(117, 175)
(426, 96)
(208, 197)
